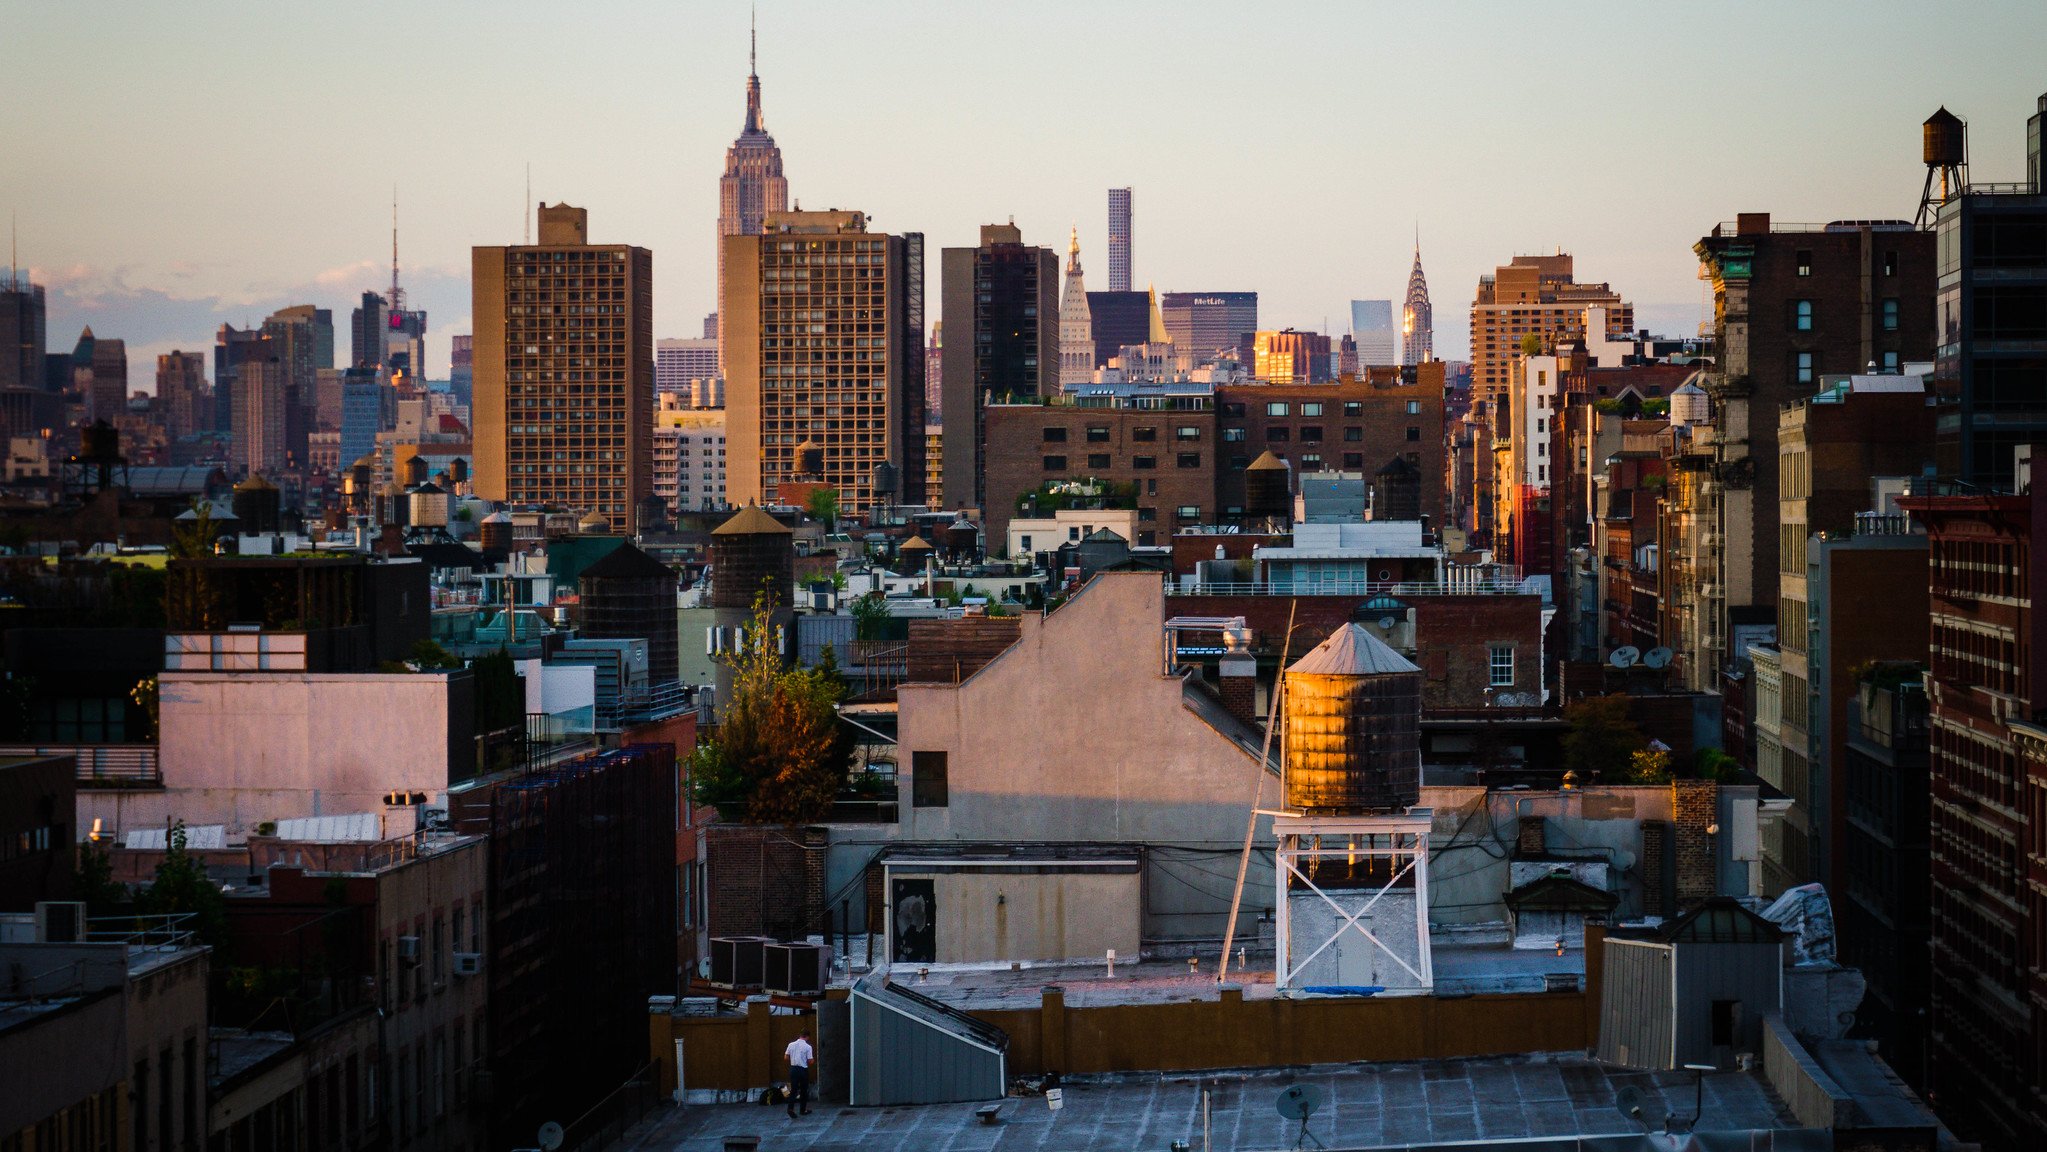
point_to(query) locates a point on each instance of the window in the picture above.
(1187, 432)
(927, 780)
(1147, 515)
(1233, 435)
(1098, 434)
(1233, 409)
(1801, 315)
(1311, 409)
(1803, 367)
(1891, 314)
(1890, 263)
(1353, 434)
(1144, 435)
(1353, 408)
(1098, 460)
(1188, 460)
(1055, 463)
(1805, 262)
(1188, 512)
(1891, 363)
(1023, 544)
(1278, 434)
(1055, 435)
(1151, 487)
(1142, 462)
(1414, 432)
(1277, 408)
(1311, 462)
(1500, 666)
(1414, 407)
(1311, 433)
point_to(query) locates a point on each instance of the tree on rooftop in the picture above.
(182, 888)
(778, 757)
(1601, 739)
(823, 507)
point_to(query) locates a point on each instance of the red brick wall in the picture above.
(1018, 451)
(765, 881)
(1381, 422)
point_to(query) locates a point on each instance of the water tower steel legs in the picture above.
(1402, 841)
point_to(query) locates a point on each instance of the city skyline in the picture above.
(162, 263)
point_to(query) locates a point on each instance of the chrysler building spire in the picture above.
(1417, 324)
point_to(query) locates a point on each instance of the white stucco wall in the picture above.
(1075, 734)
(242, 748)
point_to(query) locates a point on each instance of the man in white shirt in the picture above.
(800, 1055)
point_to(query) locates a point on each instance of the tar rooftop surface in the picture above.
(1364, 1106)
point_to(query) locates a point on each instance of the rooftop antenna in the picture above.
(753, 39)
(397, 293)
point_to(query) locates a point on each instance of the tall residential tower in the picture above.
(1119, 239)
(751, 187)
(564, 393)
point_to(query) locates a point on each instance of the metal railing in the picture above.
(102, 765)
(1481, 586)
(164, 932)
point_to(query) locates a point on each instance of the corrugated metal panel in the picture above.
(1751, 975)
(1635, 1004)
(909, 1050)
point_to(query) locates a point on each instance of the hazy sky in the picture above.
(174, 166)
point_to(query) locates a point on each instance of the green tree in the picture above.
(429, 656)
(1649, 766)
(191, 602)
(93, 880)
(870, 617)
(778, 755)
(1713, 764)
(146, 696)
(823, 507)
(1601, 739)
(182, 887)
(1531, 344)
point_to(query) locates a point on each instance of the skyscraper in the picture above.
(366, 333)
(1119, 239)
(1371, 323)
(462, 368)
(23, 333)
(1205, 323)
(564, 404)
(182, 395)
(1417, 320)
(1000, 299)
(1076, 327)
(677, 362)
(751, 187)
(855, 390)
(259, 399)
(99, 371)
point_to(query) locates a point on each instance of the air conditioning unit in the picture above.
(408, 949)
(739, 961)
(60, 922)
(798, 969)
(468, 963)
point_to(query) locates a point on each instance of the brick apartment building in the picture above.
(1159, 459)
(1988, 1043)
(1353, 425)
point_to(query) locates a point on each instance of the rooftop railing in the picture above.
(102, 765)
(1481, 586)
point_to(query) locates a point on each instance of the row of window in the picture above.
(1236, 409)
(1802, 314)
(1100, 433)
(1102, 461)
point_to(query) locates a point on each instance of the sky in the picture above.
(173, 167)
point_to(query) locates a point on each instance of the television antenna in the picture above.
(1299, 1103)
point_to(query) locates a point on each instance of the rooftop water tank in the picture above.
(1268, 488)
(1689, 406)
(1353, 727)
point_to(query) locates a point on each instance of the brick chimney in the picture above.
(1695, 805)
(1239, 676)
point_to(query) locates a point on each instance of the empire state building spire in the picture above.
(1417, 323)
(752, 186)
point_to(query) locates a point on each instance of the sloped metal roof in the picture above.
(1353, 651)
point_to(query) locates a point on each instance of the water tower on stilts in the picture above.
(1352, 863)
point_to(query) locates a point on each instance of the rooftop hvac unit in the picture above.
(739, 961)
(798, 969)
(60, 922)
(468, 963)
(408, 949)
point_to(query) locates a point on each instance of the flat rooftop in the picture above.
(1558, 1096)
(1459, 970)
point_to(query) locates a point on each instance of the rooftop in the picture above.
(1548, 1099)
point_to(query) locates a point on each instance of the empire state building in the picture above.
(752, 185)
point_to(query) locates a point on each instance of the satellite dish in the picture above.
(1386, 622)
(1657, 658)
(1625, 656)
(1299, 1102)
(1629, 1103)
(1623, 860)
(549, 1136)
